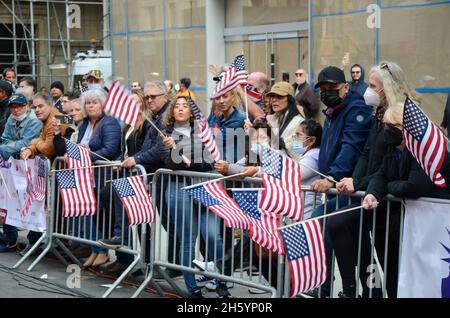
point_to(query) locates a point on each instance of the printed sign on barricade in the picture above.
(14, 173)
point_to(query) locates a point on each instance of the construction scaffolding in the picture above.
(39, 38)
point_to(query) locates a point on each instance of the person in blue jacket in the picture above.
(347, 123)
(157, 100)
(21, 127)
(101, 134)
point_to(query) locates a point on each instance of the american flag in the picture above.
(121, 105)
(29, 193)
(40, 178)
(282, 192)
(205, 132)
(425, 141)
(136, 200)
(306, 256)
(78, 200)
(254, 94)
(213, 196)
(234, 76)
(263, 229)
(35, 190)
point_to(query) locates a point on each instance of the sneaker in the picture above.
(222, 291)
(205, 266)
(115, 242)
(256, 291)
(5, 248)
(202, 281)
(212, 285)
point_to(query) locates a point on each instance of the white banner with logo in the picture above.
(425, 259)
(13, 187)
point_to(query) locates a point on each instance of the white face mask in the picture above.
(20, 118)
(372, 97)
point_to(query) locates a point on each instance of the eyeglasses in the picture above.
(384, 66)
(297, 136)
(152, 97)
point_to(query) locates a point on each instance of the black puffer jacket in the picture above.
(135, 141)
(191, 147)
(402, 176)
(372, 157)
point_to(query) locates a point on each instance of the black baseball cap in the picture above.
(331, 74)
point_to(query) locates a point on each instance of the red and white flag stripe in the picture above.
(121, 105)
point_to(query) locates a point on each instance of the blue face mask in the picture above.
(298, 148)
(257, 148)
(94, 86)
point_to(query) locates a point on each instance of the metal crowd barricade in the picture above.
(168, 183)
(166, 190)
(357, 199)
(87, 230)
(45, 234)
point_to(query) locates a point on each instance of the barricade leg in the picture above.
(33, 248)
(41, 256)
(68, 253)
(122, 276)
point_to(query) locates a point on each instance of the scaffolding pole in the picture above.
(31, 36)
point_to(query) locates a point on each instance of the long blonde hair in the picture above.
(145, 113)
(394, 115)
(395, 84)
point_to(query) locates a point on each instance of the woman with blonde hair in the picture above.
(387, 85)
(132, 139)
(394, 86)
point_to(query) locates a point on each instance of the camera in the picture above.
(64, 119)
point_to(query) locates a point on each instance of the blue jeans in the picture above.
(83, 222)
(179, 205)
(119, 217)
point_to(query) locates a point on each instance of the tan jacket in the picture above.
(43, 145)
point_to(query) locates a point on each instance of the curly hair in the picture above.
(169, 119)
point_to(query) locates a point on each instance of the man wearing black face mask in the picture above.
(344, 228)
(346, 127)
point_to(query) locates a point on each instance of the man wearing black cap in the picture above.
(57, 92)
(6, 90)
(346, 128)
